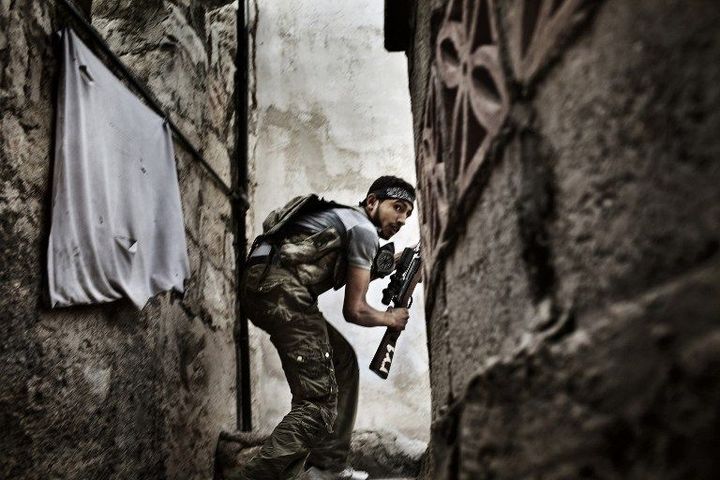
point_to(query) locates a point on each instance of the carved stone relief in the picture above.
(468, 94)
(431, 175)
(473, 86)
(535, 29)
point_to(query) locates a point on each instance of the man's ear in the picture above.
(371, 200)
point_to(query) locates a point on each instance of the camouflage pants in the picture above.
(320, 367)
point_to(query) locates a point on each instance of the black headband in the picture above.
(398, 193)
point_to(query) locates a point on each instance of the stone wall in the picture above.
(106, 391)
(567, 153)
(330, 112)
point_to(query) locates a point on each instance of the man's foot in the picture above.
(314, 473)
(351, 474)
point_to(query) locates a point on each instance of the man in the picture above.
(329, 247)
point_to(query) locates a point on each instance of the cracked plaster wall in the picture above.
(575, 324)
(330, 113)
(107, 392)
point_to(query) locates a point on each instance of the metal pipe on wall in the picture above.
(240, 206)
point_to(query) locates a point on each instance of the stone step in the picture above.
(385, 455)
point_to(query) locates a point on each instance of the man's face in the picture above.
(388, 215)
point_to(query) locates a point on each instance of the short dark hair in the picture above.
(385, 182)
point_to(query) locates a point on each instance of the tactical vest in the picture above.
(318, 260)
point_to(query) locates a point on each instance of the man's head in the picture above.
(388, 203)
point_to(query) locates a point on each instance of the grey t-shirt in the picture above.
(362, 237)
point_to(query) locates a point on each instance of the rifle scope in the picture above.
(396, 278)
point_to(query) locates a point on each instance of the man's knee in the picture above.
(318, 416)
(311, 375)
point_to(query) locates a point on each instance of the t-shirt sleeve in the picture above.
(363, 245)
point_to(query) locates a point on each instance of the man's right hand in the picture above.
(356, 310)
(398, 318)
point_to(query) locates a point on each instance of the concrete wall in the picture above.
(330, 113)
(107, 391)
(571, 185)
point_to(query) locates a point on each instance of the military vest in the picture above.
(318, 260)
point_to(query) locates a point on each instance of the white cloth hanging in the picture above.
(117, 224)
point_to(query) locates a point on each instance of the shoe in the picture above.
(314, 473)
(351, 474)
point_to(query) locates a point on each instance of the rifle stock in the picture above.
(382, 360)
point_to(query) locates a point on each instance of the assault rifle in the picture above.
(399, 292)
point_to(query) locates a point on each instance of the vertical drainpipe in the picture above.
(240, 206)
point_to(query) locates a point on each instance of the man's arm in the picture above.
(356, 309)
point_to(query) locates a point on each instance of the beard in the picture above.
(375, 219)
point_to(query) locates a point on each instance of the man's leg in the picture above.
(283, 454)
(333, 452)
(304, 350)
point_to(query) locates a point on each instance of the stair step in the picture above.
(384, 455)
